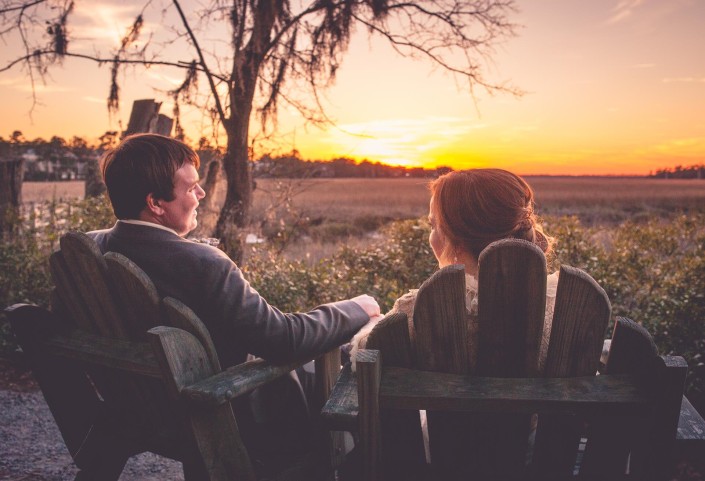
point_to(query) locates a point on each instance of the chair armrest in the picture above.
(237, 380)
(340, 413)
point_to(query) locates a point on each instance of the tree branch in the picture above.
(21, 7)
(103, 60)
(202, 61)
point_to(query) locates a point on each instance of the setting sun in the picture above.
(608, 88)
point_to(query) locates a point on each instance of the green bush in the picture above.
(652, 271)
(385, 272)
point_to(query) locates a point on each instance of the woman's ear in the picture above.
(154, 205)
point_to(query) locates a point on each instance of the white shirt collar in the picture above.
(148, 224)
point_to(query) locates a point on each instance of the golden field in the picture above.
(595, 199)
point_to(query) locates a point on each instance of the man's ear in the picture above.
(154, 205)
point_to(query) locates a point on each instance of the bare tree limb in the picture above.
(202, 61)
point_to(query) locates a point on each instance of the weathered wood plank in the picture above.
(632, 351)
(179, 315)
(581, 315)
(224, 455)
(508, 339)
(368, 390)
(655, 457)
(511, 308)
(391, 334)
(441, 342)
(89, 275)
(409, 389)
(341, 410)
(440, 328)
(234, 381)
(582, 312)
(327, 369)
(135, 357)
(402, 437)
(136, 295)
(66, 292)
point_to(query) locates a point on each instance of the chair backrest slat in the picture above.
(580, 319)
(582, 312)
(89, 274)
(178, 314)
(67, 294)
(440, 332)
(136, 295)
(402, 437)
(512, 307)
(392, 334)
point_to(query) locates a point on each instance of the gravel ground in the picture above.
(31, 448)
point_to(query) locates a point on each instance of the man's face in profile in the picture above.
(180, 213)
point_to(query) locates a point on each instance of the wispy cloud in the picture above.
(95, 100)
(104, 24)
(21, 84)
(162, 77)
(623, 10)
(669, 80)
(643, 65)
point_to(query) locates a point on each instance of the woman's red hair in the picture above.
(479, 206)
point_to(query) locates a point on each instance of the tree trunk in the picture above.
(11, 173)
(234, 215)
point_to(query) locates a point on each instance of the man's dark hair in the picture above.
(140, 165)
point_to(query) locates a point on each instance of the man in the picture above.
(153, 187)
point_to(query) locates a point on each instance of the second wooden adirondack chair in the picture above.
(482, 389)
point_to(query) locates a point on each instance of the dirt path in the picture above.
(31, 448)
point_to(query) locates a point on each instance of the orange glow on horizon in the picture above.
(609, 90)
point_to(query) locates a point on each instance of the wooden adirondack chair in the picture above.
(125, 372)
(480, 385)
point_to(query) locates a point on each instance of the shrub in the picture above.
(653, 271)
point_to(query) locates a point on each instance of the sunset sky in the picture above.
(612, 87)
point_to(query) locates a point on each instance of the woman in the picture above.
(469, 210)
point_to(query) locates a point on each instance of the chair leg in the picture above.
(195, 469)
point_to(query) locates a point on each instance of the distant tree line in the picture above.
(56, 158)
(292, 166)
(696, 171)
(59, 159)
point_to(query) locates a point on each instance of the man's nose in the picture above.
(201, 192)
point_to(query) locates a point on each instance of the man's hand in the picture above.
(368, 304)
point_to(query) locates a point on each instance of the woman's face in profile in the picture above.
(438, 241)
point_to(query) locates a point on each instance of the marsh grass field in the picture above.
(594, 199)
(310, 218)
